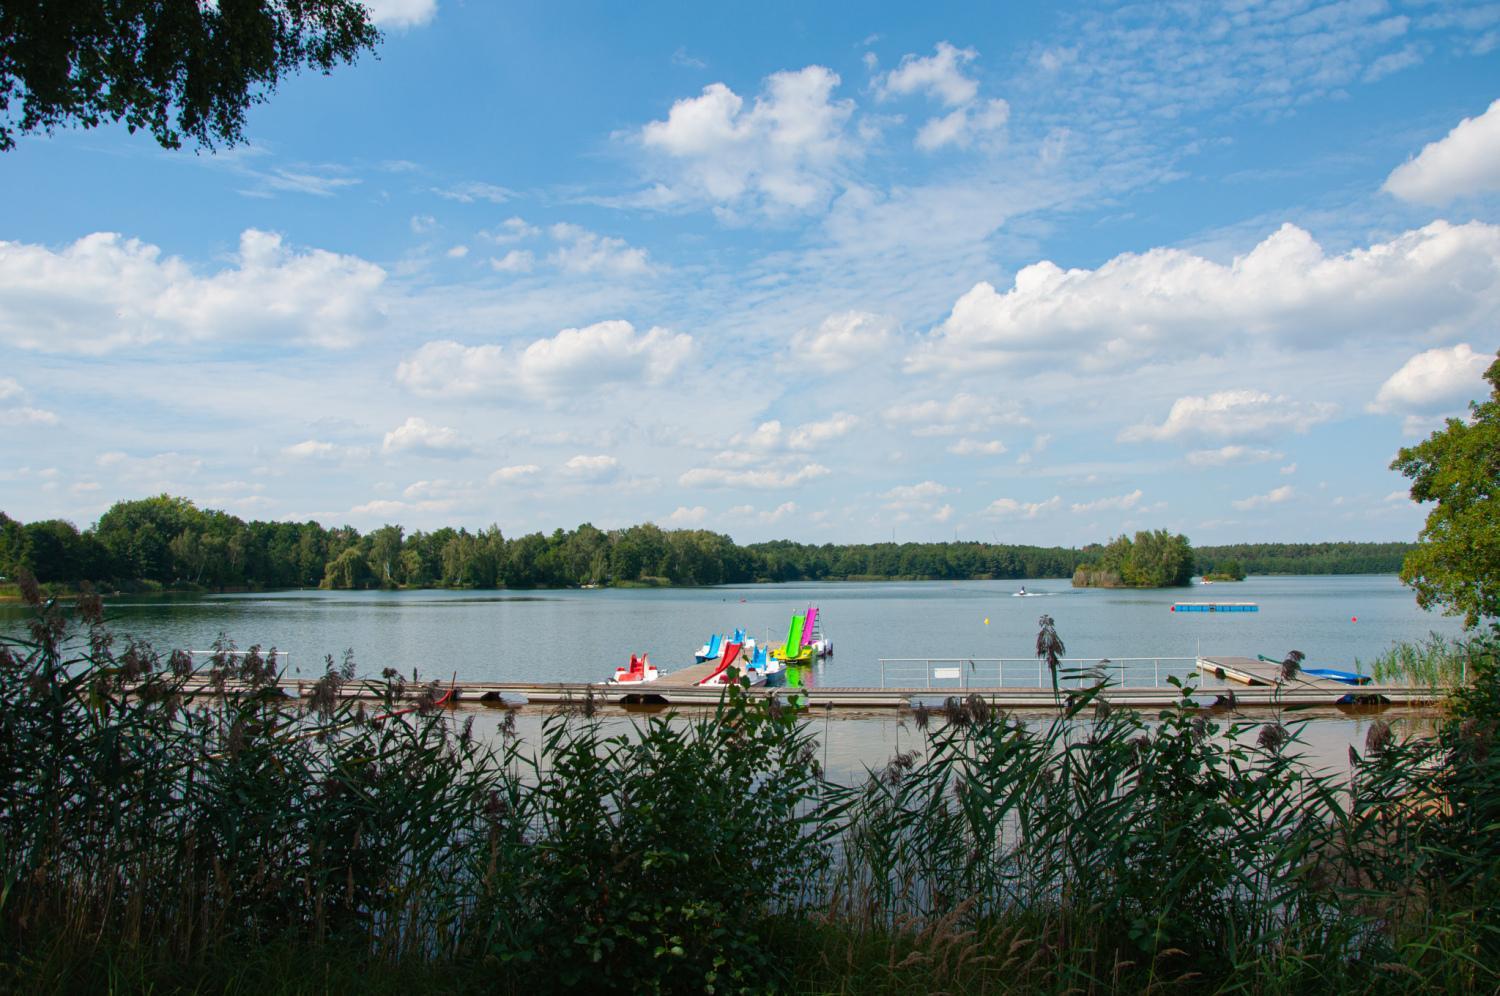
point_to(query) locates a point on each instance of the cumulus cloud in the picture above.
(1227, 455)
(721, 477)
(592, 467)
(515, 473)
(319, 450)
(417, 435)
(513, 229)
(950, 416)
(1010, 507)
(105, 292)
(10, 389)
(771, 436)
(685, 516)
(977, 447)
(924, 492)
(1435, 381)
(583, 251)
(1273, 497)
(515, 261)
(845, 340)
(941, 77)
(1465, 161)
(781, 154)
(1116, 503)
(1232, 414)
(1436, 280)
(574, 359)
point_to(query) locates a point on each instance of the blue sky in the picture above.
(1041, 274)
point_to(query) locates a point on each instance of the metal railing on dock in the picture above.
(1028, 672)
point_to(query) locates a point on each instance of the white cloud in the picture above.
(977, 447)
(1116, 503)
(1226, 455)
(783, 154)
(421, 224)
(1232, 414)
(571, 361)
(104, 292)
(472, 190)
(961, 127)
(515, 261)
(1465, 161)
(10, 388)
(811, 435)
(951, 416)
(457, 252)
(845, 340)
(417, 435)
(770, 436)
(1438, 280)
(926, 491)
(939, 76)
(583, 251)
(597, 467)
(315, 449)
(1288, 470)
(719, 477)
(1435, 381)
(401, 13)
(513, 229)
(684, 516)
(158, 471)
(1273, 497)
(26, 416)
(512, 474)
(1007, 507)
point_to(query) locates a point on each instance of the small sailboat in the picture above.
(640, 670)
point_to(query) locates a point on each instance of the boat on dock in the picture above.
(640, 670)
(710, 650)
(812, 633)
(733, 657)
(793, 651)
(1330, 673)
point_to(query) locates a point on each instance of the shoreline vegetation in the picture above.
(162, 841)
(167, 544)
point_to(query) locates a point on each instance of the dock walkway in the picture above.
(1227, 680)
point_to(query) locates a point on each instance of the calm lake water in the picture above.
(583, 635)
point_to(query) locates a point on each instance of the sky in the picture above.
(1032, 273)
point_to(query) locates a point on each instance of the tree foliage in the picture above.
(1456, 566)
(178, 68)
(1154, 559)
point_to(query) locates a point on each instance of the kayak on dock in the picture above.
(640, 670)
(1331, 674)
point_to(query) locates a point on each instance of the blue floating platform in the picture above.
(1215, 607)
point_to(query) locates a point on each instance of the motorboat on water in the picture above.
(640, 670)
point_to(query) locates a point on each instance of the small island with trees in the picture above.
(1154, 559)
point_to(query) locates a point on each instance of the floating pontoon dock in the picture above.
(1218, 681)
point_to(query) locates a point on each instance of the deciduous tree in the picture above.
(1456, 565)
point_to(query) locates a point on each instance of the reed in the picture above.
(158, 837)
(1434, 662)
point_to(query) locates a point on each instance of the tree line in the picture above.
(169, 543)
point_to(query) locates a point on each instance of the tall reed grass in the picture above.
(157, 837)
(1434, 662)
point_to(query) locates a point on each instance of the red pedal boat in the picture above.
(641, 669)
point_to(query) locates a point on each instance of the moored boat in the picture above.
(639, 670)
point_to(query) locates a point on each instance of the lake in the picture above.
(574, 635)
